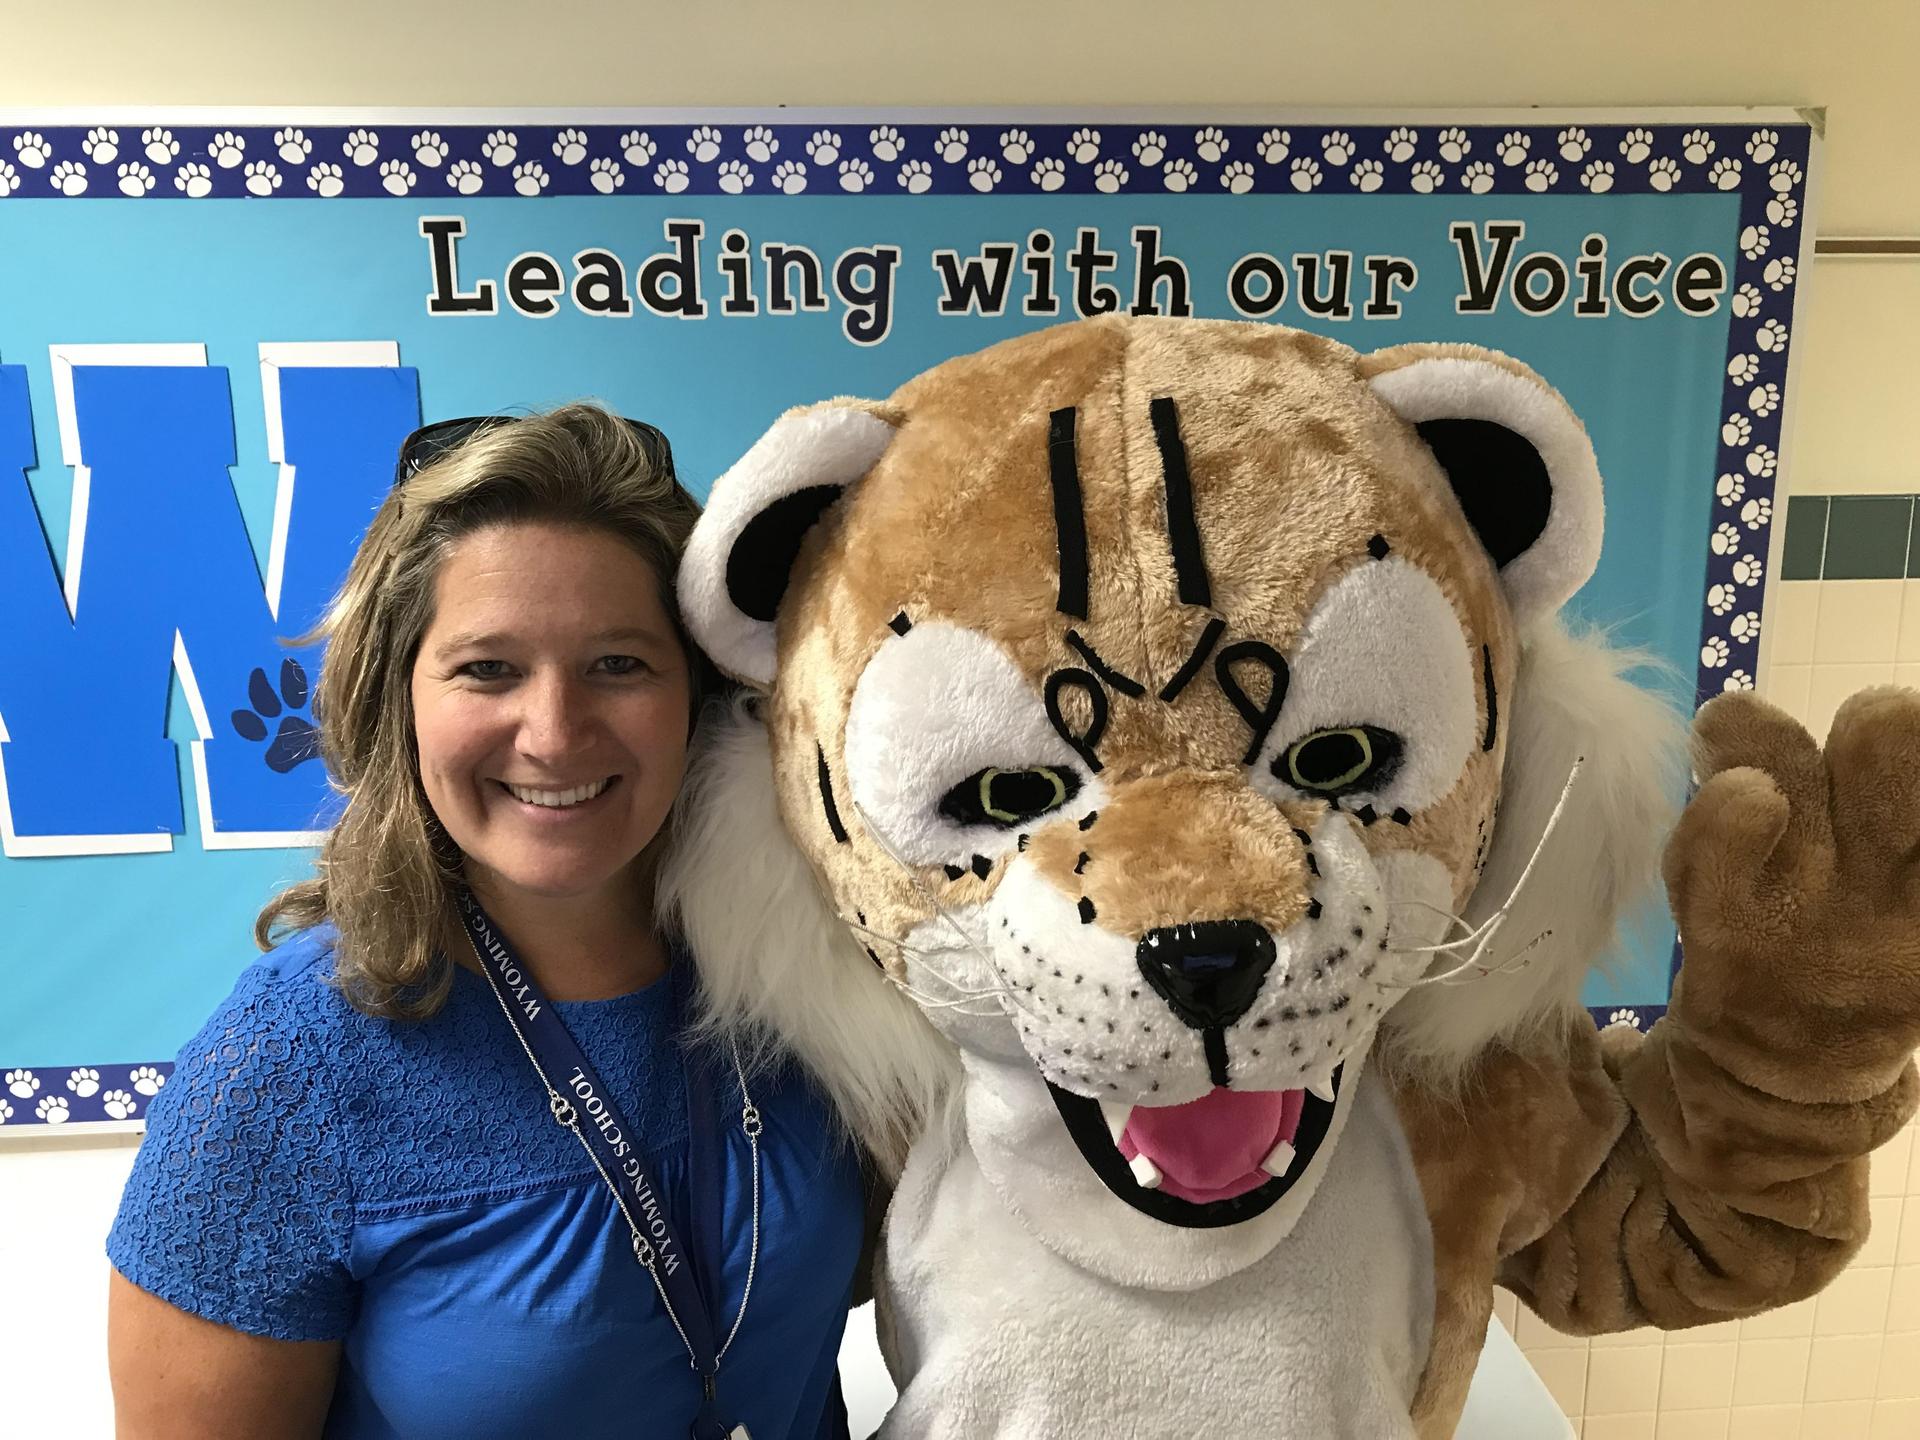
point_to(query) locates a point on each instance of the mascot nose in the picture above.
(1208, 971)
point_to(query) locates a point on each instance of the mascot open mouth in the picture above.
(1211, 1161)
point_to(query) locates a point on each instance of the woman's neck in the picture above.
(578, 948)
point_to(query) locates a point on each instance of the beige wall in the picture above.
(1844, 1368)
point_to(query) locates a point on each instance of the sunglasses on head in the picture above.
(430, 442)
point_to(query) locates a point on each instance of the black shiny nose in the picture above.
(1209, 971)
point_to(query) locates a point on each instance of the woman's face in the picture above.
(550, 701)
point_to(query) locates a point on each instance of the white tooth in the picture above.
(1280, 1161)
(1321, 1090)
(572, 797)
(1117, 1117)
(1146, 1172)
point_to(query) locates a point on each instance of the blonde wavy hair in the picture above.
(388, 873)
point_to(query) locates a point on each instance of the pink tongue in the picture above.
(1211, 1148)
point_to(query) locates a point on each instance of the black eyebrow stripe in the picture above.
(1191, 667)
(1259, 718)
(1069, 516)
(1125, 684)
(1183, 530)
(1083, 745)
(1493, 704)
(826, 796)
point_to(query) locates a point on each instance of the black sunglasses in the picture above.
(430, 442)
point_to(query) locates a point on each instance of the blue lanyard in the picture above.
(578, 1100)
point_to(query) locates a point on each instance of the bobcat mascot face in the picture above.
(1138, 693)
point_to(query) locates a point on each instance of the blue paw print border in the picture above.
(1765, 162)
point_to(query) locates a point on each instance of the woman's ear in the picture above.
(735, 571)
(1517, 457)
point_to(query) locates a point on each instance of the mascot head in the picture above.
(1146, 698)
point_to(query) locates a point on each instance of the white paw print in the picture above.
(1109, 176)
(362, 147)
(1305, 174)
(1725, 174)
(1015, 146)
(1237, 178)
(263, 178)
(789, 177)
(761, 143)
(68, 178)
(1083, 146)
(1541, 175)
(1150, 148)
(1743, 368)
(1598, 176)
(32, 148)
(1274, 146)
(886, 142)
(1762, 462)
(1720, 598)
(135, 179)
(1455, 145)
(1747, 570)
(704, 143)
(1426, 177)
(1514, 146)
(52, 1109)
(1738, 680)
(1764, 399)
(430, 149)
(463, 176)
(671, 176)
(1663, 173)
(193, 180)
(1729, 488)
(227, 149)
(824, 147)
(1478, 177)
(1714, 653)
(501, 146)
(295, 147)
(1726, 538)
(637, 146)
(1624, 1017)
(1746, 302)
(1745, 626)
(1574, 144)
(1049, 174)
(1771, 336)
(1754, 240)
(9, 179)
(118, 1104)
(1636, 145)
(982, 173)
(952, 145)
(160, 144)
(916, 176)
(855, 175)
(1779, 273)
(84, 1082)
(325, 179)
(396, 177)
(1367, 176)
(735, 177)
(1337, 146)
(22, 1084)
(1755, 513)
(530, 178)
(605, 175)
(1210, 144)
(102, 146)
(1760, 149)
(6, 1112)
(1178, 175)
(147, 1080)
(1736, 429)
(1696, 145)
(1783, 210)
(1399, 144)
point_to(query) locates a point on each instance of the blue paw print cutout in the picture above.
(296, 741)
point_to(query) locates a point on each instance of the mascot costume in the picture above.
(1169, 802)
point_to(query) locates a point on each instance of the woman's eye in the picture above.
(1007, 798)
(1338, 761)
(622, 664)
(484, 669)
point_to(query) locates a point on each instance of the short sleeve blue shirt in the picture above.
(312, 1173)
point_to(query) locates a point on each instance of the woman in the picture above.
(383, 1194)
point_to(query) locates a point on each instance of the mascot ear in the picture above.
(735, 571)
(1518, 459)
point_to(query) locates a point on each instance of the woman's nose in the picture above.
(556, 717)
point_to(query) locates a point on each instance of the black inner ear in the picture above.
(762, 558)
(1500, 479)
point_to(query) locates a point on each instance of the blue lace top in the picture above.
(311, 1173)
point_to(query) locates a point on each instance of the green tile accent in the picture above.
(1806, 537)
(1867, 537)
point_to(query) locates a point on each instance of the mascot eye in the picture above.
(1007, 798)
(1334, 762)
